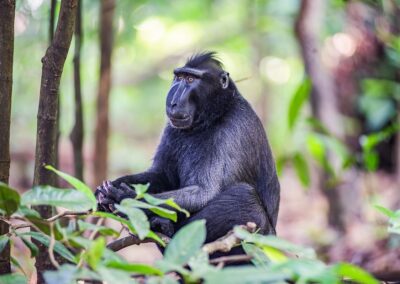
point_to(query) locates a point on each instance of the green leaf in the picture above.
(140, 189)
(136, 268)
(274, 242)
(58, 246)
(170, 202)
(167, 279)
(137, 218)
(389, 213)
(27, 212)
(245, 274)
(307, 271)
(371, 160)
(4, 239)
(95, 252)
(69, 274)
(165, 213)
(77, 184)
(31, 246)
(259, 258)
(301, 167)
(128, 224)
(109, 275)
(15, 262)
(186, 243)
(106, 231)
(47, 195)
(301, 95)
(9, 199)
(355, 273)
(66, 274)
(199, 266)
(13, 279)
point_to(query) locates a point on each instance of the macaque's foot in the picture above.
(162, 225)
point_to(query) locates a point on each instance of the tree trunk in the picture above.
(7, 14)
(102, 123)
(76, 135)
(46, 151)
(323, 99)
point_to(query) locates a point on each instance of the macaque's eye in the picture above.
(190, 79)
(179, 77)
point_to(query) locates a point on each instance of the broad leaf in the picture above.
(109, 275)
(47, 195)
(58, 246)
(355, 273)
(136, 268)
(137, 218)
(274, 242)
(151, 234)
(31, 246)
(259, 258)
(9, 199)
(3, 242)
(186, 243)
(13, 279)
(95, 252)
(245, 274)
(301, 95)
(301, 167)
(77, 184)
(170, 202)
(103, 230)
(165, 213)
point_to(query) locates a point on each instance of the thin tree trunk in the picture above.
(102, 123)
(7, 14)
(53, 64)
(323, 99)
(76, 135)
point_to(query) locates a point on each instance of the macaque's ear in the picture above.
(224, 79)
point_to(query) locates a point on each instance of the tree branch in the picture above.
(134, 240)
(227, 242)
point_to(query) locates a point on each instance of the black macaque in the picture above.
(213, 159)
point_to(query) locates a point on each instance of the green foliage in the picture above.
(301, 167)
(300, 97)
(4, 239)
(67, 198)
(9, 199)
(275, 260)
(394, 219)
(77, 184)
(13, 279)
(186, 243)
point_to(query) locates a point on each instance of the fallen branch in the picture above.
(134, 240)
(227, 242)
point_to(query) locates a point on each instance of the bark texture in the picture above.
(46, 151)
(7, 15)
(78, 129)
(102, 122)
(323, 98)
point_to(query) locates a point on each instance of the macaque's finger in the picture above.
(127, 188)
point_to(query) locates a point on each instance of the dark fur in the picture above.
(221, 167)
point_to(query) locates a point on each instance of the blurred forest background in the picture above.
(323, 76)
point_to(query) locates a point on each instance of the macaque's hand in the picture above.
(108, 195)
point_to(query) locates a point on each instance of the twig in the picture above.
(134, 240)
(67, 213)
(227, 242)
(231, 259)
(51, 247)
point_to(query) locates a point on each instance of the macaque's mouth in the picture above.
(181, 123)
